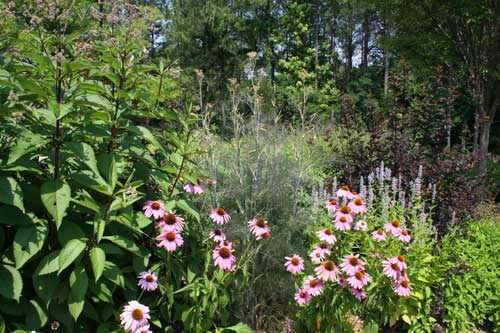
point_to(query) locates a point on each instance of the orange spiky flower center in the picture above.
(354, 261)
(345, 210)
(396, 223)
(170, 218)
(358, 202)
(149, 278)
(170, 236)
(225, 252)
(221, 211)
(137, 314)
(401, 258)
(261, 223)
(329, 265)
(155, 205)
(295, 261)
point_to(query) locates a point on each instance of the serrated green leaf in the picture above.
(28, 242)
(56, 197)
(11, 193)
(11, 282)
(70, 252)
(114, 274)
(184, 205)
(97, 259)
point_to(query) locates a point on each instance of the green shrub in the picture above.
(472, 297)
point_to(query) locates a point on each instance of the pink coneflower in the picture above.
(171, 221)
(404, 236)
(188, 187)
(217, 235)
(401, 260)
(148, 281)
(198, 188)
(258, 227)
(317, 256)
(331, 205)
(265, 235)
(357, 206)
(327, 236)
(358, 293)
(219, 216)
(134, 316)
(327, 271)
(324, 249)
(393, 228)
(379, 235)
(144, 329)
(361, 225)
(154, 208)
(342, 223)
(344, 192)
(223, 258)
(342, 282)
(313, 286)
(391, 268)
(402, 288)
(302, 297)
(294, 264)
(170, 240)
(352, 264)
(226, 243)
(359, 279)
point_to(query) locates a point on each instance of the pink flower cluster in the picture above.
(346, 207)
(171, 225)
(223, 253)
(395, 269)
(393, 228)
(197, 188)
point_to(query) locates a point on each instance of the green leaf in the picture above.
(124, 243)
(97, 259)
(28, 242)
(11, 282)
(114, 274)
(184, 205)
(239, 328)
(86, 153)
(45, 286)
(36, 316)
(49, 264)
(406, 319)
(56, 197)
(13, 216)
(26, 143)
(107, 164)
(148, 136)
(11, 193)
(70, 252)
(78, 282)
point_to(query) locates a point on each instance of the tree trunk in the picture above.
(366, 38)
(484, 140)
